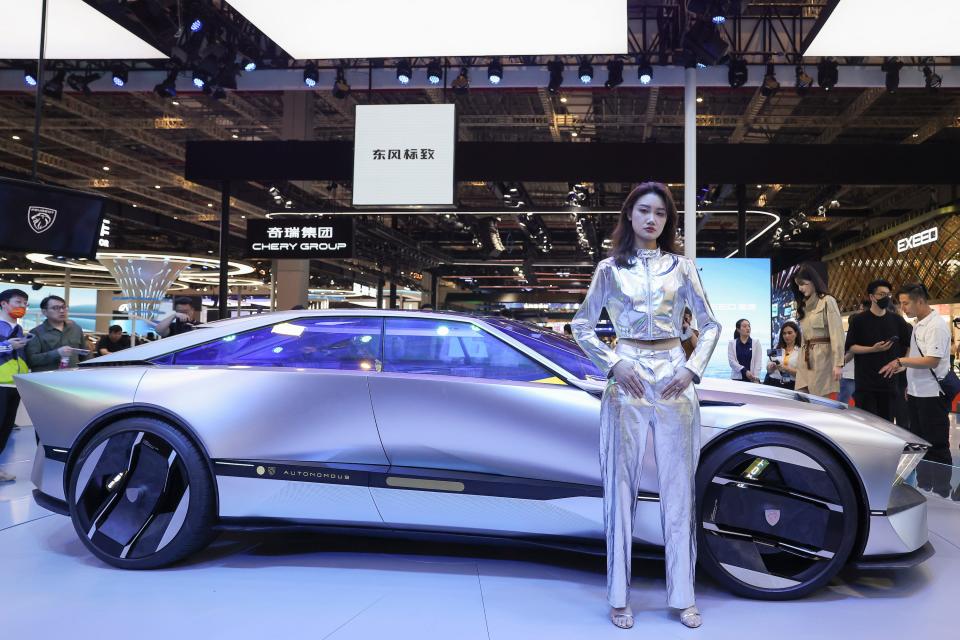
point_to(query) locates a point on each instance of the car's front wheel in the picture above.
(140, 495)
(778, 515)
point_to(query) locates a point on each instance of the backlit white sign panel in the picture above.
(927, 236)
(403, 155)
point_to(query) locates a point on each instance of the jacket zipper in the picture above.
(646, 268)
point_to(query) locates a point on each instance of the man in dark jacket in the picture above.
(56, 339)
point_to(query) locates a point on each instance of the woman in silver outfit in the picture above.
(645, 285)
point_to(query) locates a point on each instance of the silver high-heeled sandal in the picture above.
(622, 620)
(690, 617)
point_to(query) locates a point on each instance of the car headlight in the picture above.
(909, 459)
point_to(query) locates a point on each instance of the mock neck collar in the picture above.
(648, 253)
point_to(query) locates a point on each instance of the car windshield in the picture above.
(563, 351)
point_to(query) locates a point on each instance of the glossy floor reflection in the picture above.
(322, 587)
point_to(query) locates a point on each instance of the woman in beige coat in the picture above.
(821, 358)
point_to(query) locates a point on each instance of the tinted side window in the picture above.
(441, 347)
(314, 343)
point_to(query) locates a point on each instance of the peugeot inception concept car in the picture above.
(418, 423)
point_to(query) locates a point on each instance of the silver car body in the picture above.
(396, 450)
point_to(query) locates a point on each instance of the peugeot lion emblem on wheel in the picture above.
(41, 218)
(465, 424)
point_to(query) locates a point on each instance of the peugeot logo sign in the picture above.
(40, 218)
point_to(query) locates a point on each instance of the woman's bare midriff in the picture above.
(665, 343)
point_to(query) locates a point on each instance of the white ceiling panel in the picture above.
(75, 31)
(890, 28)
(325, 29)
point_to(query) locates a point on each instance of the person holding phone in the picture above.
(13, 306)
(56, 340)
(875, 337)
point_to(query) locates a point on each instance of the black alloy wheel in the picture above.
(778, 515)
(141, 495)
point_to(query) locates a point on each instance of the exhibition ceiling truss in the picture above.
(130, 145)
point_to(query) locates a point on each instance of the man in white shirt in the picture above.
(927, 362)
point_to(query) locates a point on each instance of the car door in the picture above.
(480, 436)
(284, 412)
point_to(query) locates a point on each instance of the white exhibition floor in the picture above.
(275, 586)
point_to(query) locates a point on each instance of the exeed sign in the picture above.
(310, 238)
(918, 239)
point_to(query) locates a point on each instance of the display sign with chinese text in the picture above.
(299, 239)
(403, 155)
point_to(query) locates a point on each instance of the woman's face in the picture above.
(648, 217)
(789, 336)
(744, 328)
(806, 287)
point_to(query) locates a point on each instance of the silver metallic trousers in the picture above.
(624, 424)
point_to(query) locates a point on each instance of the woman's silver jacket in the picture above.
(645, 301)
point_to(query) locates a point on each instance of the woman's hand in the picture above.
(678, 384)
(836, 373)
(627, 377)
(772, 366)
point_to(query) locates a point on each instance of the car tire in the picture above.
(778, 514)
(141, 495)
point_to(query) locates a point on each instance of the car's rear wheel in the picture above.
(140, 495)
(778, 515)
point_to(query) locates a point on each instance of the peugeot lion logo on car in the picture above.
(40, 218)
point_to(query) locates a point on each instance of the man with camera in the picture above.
(874, 338)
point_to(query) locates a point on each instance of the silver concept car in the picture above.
(443, 423)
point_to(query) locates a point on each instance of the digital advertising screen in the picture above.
(737, 288)
(403, 155)
(44, 219)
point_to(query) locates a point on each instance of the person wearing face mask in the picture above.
(875, 337)
(13, 305)
(645, 285)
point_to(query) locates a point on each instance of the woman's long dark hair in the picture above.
(623, 241)
(807, 272)
(781, 343)
(736, 331)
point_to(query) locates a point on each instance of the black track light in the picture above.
(434, 72)
(120, 76)
(82, 83)
(737, 72)
(30, 75)
(167, 88)
(555, 67)
(644, 70)
(891, 68)
(770, 83)
(311, 75)
(495, 71)
(585, 72)
(461, 84)
(54, 86)
(614, 74)
(341, 88)
(828, 73)
(803, 81)
(931, 79)
(404, 72)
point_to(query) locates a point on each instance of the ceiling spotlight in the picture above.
(718, 19)
(54, 86)
(803, 81)
(827, 73)
(310, 75)
(248, 64)
(555, 67)
(461, 84)
(434, 72)
(199, 79)
(614, 74)
(167, 88)
(931, 80)
(563, 99)
(737, 73)
(404, 72)
(891, 67)
(120, 75)
(196, 25)
(80, 83)
(30, 76)
(770, 83)
(585, 72)
(341, 88)
(495, 71)
(644, 70)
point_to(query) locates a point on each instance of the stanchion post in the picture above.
(224, 298)
(690, 163)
